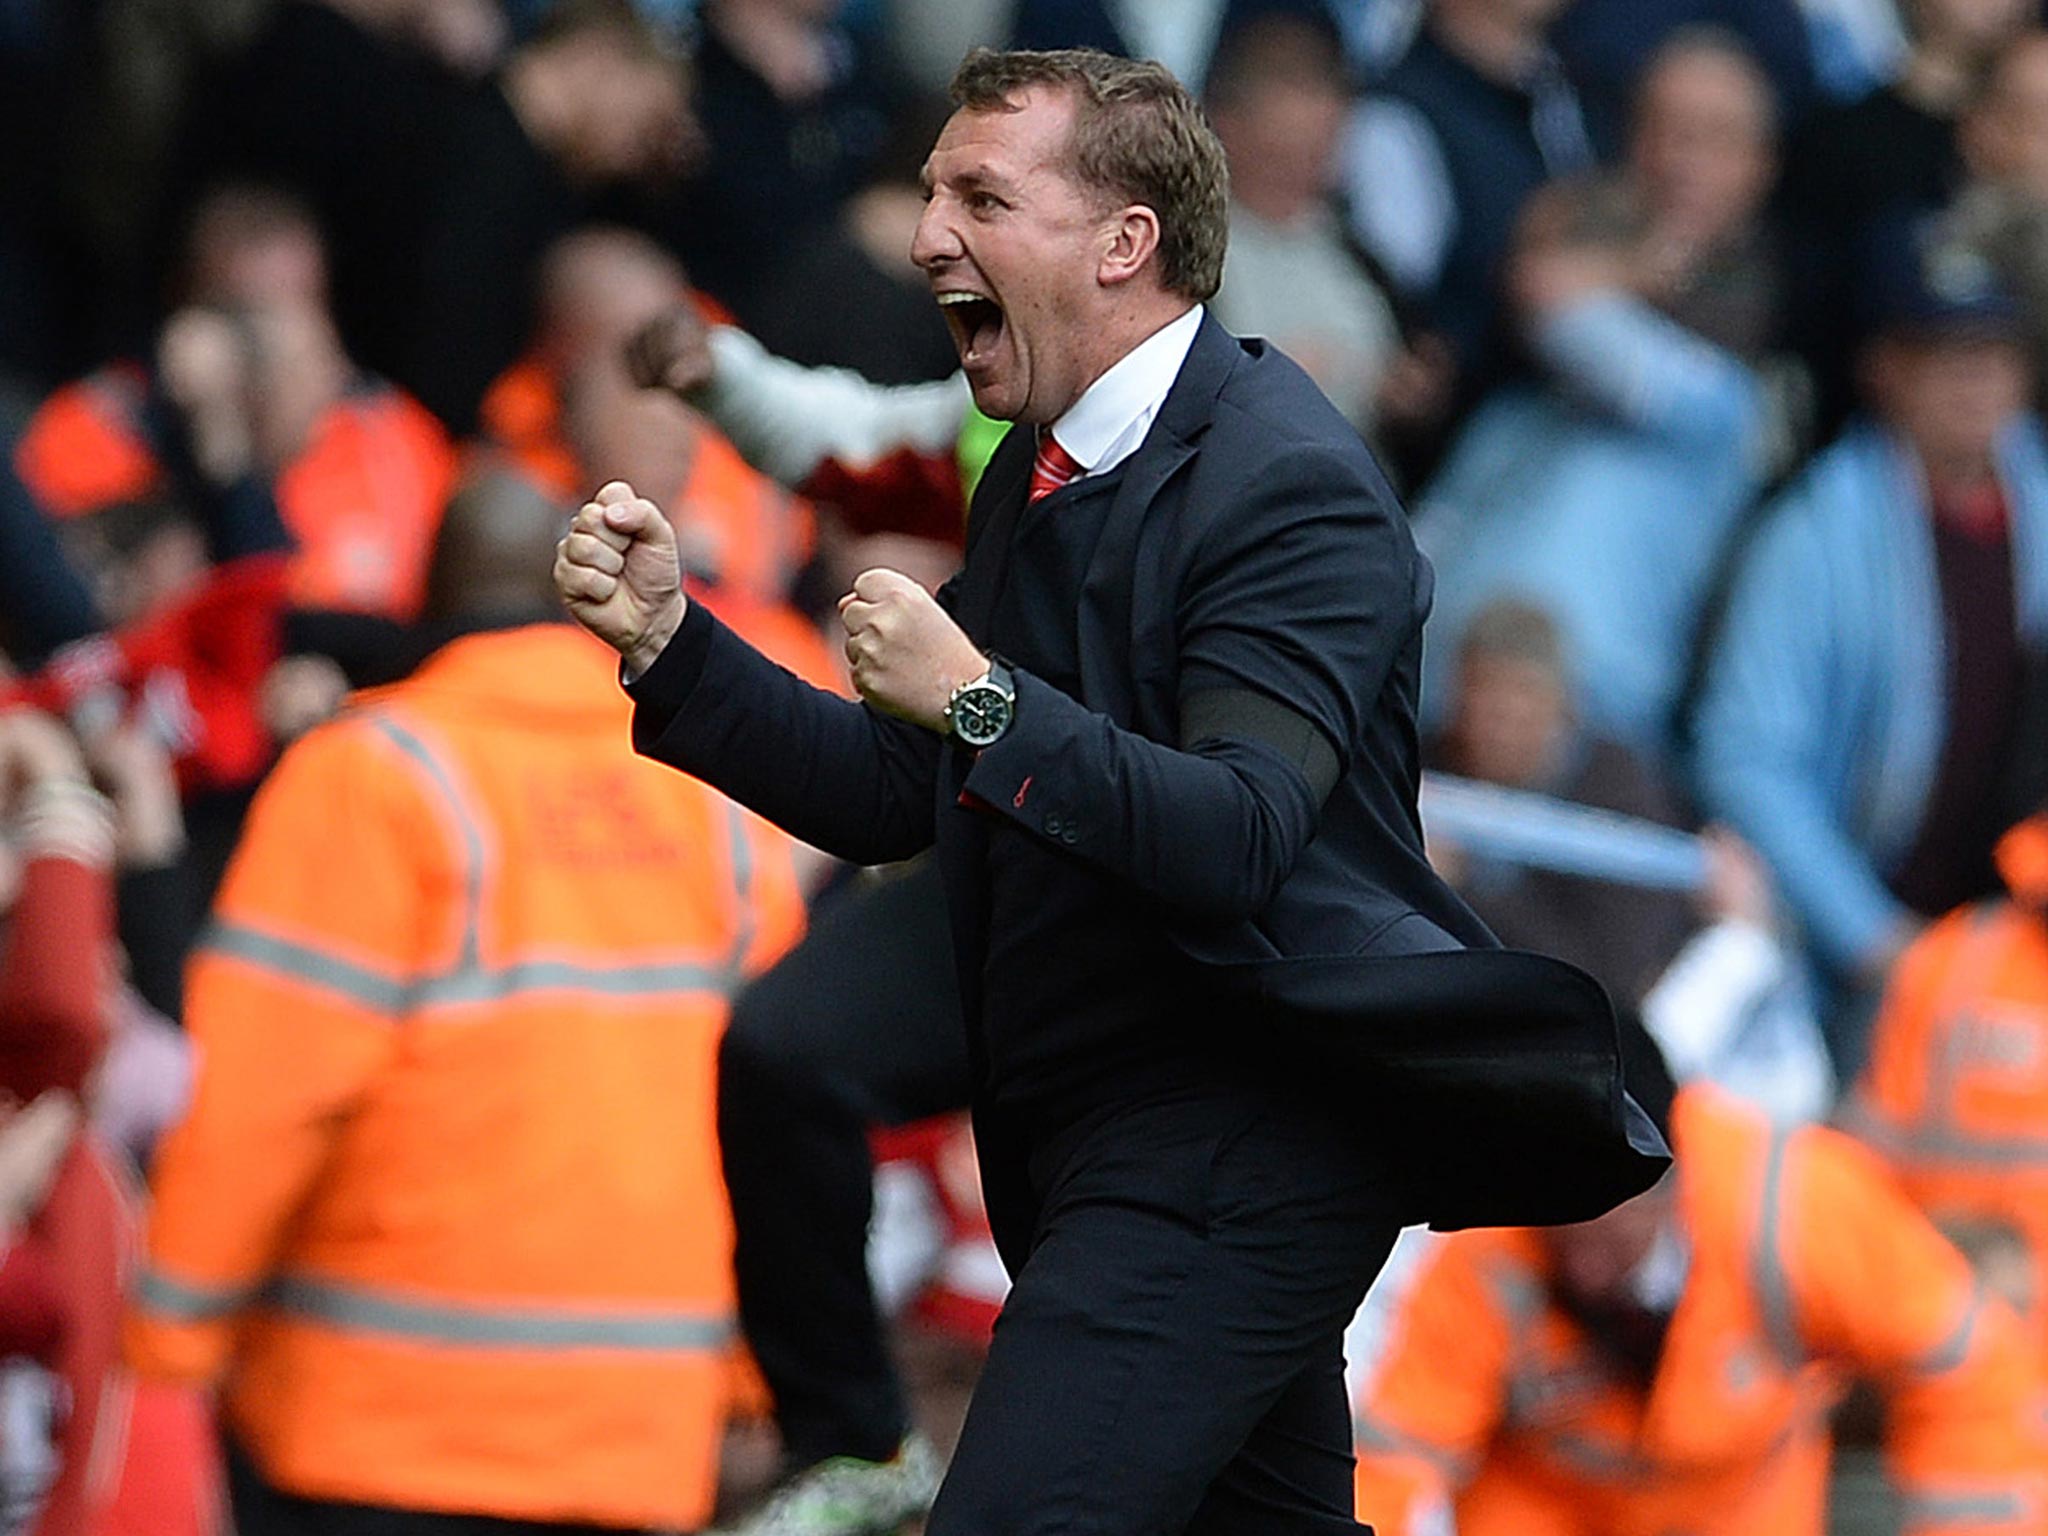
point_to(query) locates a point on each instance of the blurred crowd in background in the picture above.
(1705, 340)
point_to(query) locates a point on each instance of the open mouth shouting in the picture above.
(977, 324)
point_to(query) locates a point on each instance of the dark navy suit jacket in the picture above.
(1250, 621)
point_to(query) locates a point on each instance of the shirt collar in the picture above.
(1105, 426)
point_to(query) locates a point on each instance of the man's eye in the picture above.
(984, 202)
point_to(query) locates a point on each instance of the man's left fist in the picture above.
(906, 652)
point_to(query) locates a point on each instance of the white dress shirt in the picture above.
(1105, 426)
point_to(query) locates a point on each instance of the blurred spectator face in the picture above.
(649, 439)
(139, 556)
(636, 127)
(378, 15)
(466, 35)
(1949, 396)
(599, 288)
(297, 372)
(1595, 1262)
(1279, 119)
(2023, 863)
(1973, 28)
(644, 437)
(812, 13)
(2005, 137)
(1703, 150)
(1530, 15)
(619, 108)
(1512, 718)
(1282, 145)
(249, 246)
(170, 563)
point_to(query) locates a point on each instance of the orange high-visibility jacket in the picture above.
(521, 416)
(747, 532)
(445, 1217)
(362, 500)
(1955, 1095)
(1806, 1264)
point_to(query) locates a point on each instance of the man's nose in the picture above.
(935, 241)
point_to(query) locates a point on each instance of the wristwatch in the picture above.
(979, 712)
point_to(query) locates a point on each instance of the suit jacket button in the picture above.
(1069, 836)
(1052, 826)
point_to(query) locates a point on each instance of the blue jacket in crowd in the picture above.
(1606, 495)
(1820, 727)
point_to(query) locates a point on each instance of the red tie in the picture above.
(1052, 468)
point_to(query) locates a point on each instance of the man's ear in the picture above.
(1133, 242)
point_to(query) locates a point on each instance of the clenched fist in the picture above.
(672, 351)
(619, 576)
(906, 652)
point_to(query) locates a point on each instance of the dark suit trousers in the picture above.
(858, 1026)
(1171, 1356)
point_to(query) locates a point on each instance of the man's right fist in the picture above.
(619, 576)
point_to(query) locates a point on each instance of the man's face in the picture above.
(1510, 720)
(283, 266)
(1701, 147)
(598, 290)
(134, 576)
(1013, 247)
(1950, 397)
(645, 437)
(812, 13)
(1975, 28)
(297, 373)
(635, 123)
(1537, 15)
(2006, 138)
(1282, 144)
(1594, 1262)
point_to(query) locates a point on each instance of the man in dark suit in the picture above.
(1161, 731)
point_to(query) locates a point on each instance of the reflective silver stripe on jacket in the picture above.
(404, 1315)
(469, 981)
(1953, 1350)
(1773, 1285)
(394, 996)
(184, 1302)
(1942, 1143)
(457, 1324)
(302, 962)
(1374, 1436)
(474, 854)
(1966, 1506)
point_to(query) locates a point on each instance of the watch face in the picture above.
(980, 715)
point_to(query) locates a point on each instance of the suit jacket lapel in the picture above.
(991, 522)
(1106, 609)
(1111, 609)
